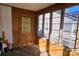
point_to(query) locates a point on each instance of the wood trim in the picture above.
(43, 24)
(76, 33)
(62, 19)
(61, 23)
(50, 29)
(36, 29)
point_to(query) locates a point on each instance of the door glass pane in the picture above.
(26, 24)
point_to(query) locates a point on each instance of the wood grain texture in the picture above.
(54, 49)
(73, 53)
(19, 38)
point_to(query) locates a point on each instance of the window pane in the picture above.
(26, 24)
(67, 20)
(56, 26)
(56, 20)
(68, 36)
(47, 15)
(46, 25)
(54, 39)
(40, 17)
(57, 13)
(54, 36)
(40, 21)
(55, 33)
(70, 27)
(67, 43)
(67, 27)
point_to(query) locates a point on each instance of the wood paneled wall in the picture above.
(18, 40)
(16, 22)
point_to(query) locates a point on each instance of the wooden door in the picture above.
(25, 33)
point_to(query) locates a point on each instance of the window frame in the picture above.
(46, 35)
(61, 22)
(58, 30)
(38, 26)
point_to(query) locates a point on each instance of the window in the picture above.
(70, 26)
(26, 24)
(40, 23)
(56, 17)
(46, 25)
